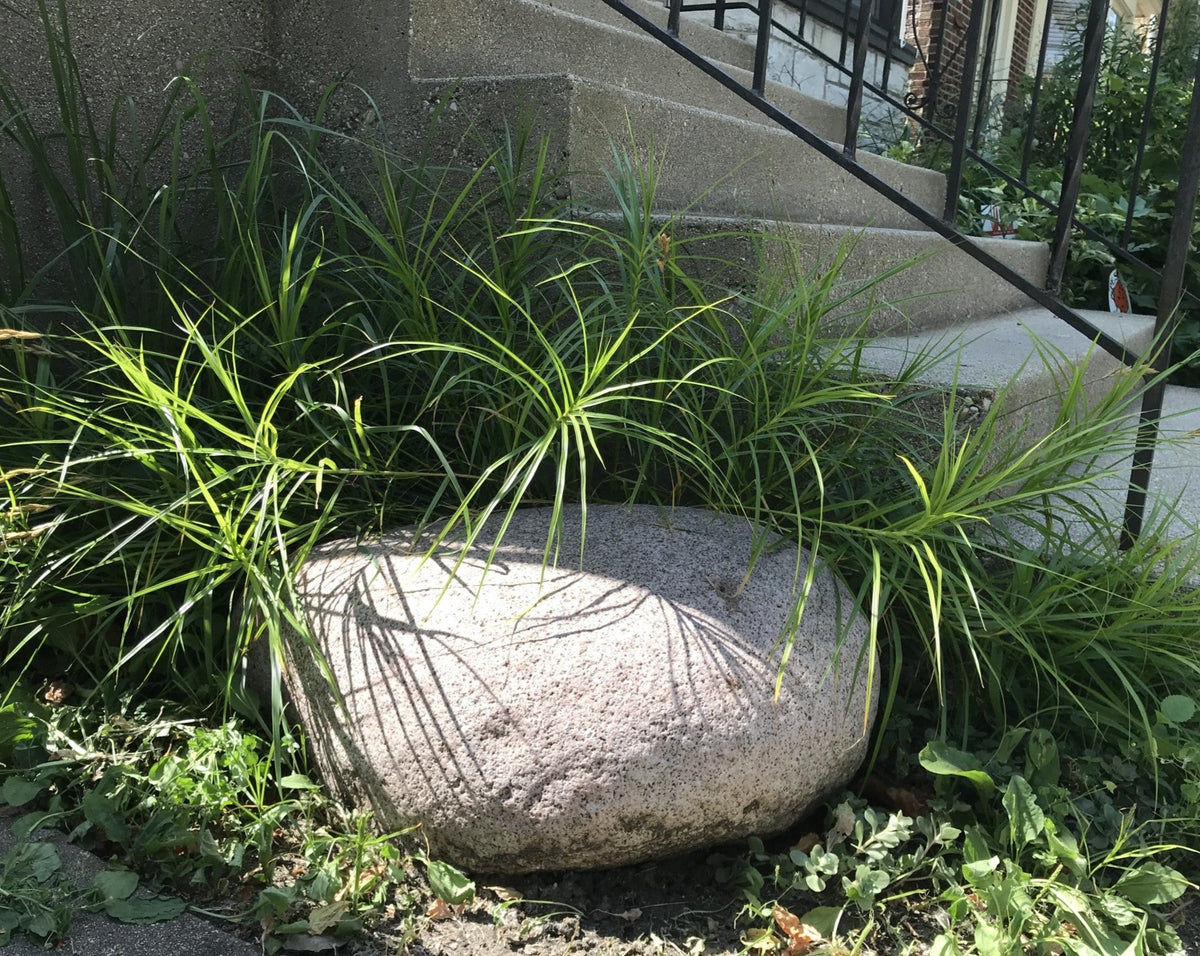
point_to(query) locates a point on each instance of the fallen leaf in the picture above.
(325, 917)
(365, 877)
(57, 692)
(504, 893)
(801, 937)
(630, 914)
(907, 801)
(143, 912)
(807, 842)
(439, 909)
(310, 944)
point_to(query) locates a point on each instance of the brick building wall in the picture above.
(941, 45)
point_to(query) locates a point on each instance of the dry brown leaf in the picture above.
(895, 797)
(439, 909)
(57, 692)
(801, 937)
(630, 915)
(807, 842)
(366, 876)
(326, 917)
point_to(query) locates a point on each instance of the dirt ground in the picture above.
(673, 908)
(667, 907)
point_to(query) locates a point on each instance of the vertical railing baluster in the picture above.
(673, 17)
(719, 15)
(845, 33)
(985, 74)
(802, 14)
(1167, 320)
(1027, 151)
(889, 44)
(862, 39)
(938, 65)
(762, 46)
(1081, 124)
(1135, 176)
(963, 119)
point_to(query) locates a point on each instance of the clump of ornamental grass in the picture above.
(415, 343)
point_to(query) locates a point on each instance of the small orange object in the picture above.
(801, 937)
(1118, 295)
(439, 909)
(57, 692)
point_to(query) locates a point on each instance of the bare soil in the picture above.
(672, 907)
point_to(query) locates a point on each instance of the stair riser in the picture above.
(708, 163)
(527, 37)
(940, 286)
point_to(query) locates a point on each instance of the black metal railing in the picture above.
(963, 141)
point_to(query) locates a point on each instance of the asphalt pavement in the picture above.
(96, 934)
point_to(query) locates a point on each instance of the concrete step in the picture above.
(1172, 513)
(706, 162)
(539, 37)
(942, 287)
(1020, 358)
(1175, 476)
(716, 45)
(934, 285)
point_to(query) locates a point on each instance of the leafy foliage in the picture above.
(1109, 195)
(1030, 854)
(366, 339)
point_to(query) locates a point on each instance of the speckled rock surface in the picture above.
(566, 718)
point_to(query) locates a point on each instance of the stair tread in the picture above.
(592, 48)
(992, 352)
(1173, 496)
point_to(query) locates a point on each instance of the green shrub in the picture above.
(421, 344)
(434, 346)
(1106, 181)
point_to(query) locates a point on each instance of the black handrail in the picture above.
(1081, 125)
(1172, 273)
(912, 110)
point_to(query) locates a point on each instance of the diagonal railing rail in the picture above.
(1171, 276)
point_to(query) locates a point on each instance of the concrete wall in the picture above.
(133, 48)
(128, 52)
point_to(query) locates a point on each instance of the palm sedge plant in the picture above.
(420, 344)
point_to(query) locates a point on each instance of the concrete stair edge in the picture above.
(442, 45)
(1018, 358)
(753, 170)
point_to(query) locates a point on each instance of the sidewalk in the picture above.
(97, 935)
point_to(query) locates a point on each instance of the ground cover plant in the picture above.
(354, 339)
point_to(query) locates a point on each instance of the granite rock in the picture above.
(576, 713)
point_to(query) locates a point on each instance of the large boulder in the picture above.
(533, 715)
